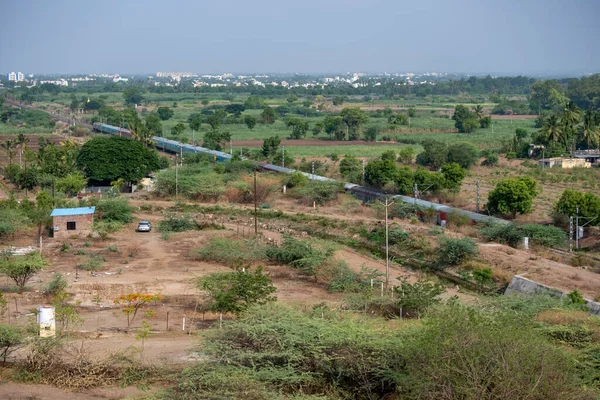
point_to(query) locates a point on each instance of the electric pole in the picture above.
(283, 156)
(313, 169)
(571, 233)
(478, 199)
(255, 207)
(577, 228)
(363, 171)
(387, 243)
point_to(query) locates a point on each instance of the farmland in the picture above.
(172, 312)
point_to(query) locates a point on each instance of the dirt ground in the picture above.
(311, 142)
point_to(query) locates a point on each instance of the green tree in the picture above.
(513, 196)
(165, 113)
(270, 146)
(406, 155)
(21, 268)
(412, 112)
(453, 175)
(552, 130)
(213, 139)
(196, 123)
(485, 122)
(292, 98)
(380, 172)
(478, 111)
(371, 133)
(434, 155)
(298, 127)
(318, 128)
(11, 338)
(349, 165)
(178, 129)
(205, 102)
(153, 125)
(71, 184)
(268, 116)
(395, 121)
(235, 109)
(133, 95)
(233, 292)
(589, 131)
(587, 203)
(105, 159)
(250, 121)
(215, 120)
(338, 100)
(464, 119)
(27, 178)
(354, 118)
(8, 146)
(464, 154)
(334, 126)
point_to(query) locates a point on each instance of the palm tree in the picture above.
(478, 110)
(589, 130)
(570, 117)
(8, 146)
(552, 129)
(22, 142)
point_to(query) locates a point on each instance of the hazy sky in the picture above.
(145, 36)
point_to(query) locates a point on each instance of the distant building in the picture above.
(564, 163)
(591, 156)
(20, 77)
(12, 77)
(69, 222)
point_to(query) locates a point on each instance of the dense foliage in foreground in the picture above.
(505, 349)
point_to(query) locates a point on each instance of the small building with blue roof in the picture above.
(68, 222)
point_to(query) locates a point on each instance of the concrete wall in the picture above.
(83, 225)
(519, 284)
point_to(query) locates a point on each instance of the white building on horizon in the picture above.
(15, 76)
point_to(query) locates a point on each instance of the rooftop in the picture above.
(63, 212)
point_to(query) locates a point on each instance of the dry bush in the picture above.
(243, 191)
(563, 317)
(278, 272)
(133, 250)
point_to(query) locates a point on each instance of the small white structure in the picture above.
(47, 321)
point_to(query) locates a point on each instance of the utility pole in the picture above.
(363, 171)
(193, 137)
(571, 233)
(313, 169)
(478, 199)
(577, 228)
(230, 146)
(387, 243)
(176, 177)
(255, 207)
(283, 156)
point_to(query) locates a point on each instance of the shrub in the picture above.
(92, 264)
(10, 221)
(455, 251)
(231, 251)
(295, 179)
(490, 161)
(318, 192)
(105, 228)
(11, 338)
(575, 297)
(116, 210)
(347, 281)
(483, 275)
(21, 268)
(177, 224)
(299, 254)
(56, 285)
(512, 234)
(414, 299)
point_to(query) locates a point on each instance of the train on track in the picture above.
(361, 192)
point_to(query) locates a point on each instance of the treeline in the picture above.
(583, 91)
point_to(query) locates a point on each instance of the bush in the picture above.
(512, 234)
(491, 160)
(92, 264)
(56, 285)
(230, 251)
(447, 357)
(116, 210)
(347, 281)
(318, 192)
(295, 179)
(10, 221)
(105, 228)
(177, 224)
(455, 251)
(464, 154)
(299, 254)
(11, 338)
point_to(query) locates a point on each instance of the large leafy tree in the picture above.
(165, 113)
(434, 155)
(334, 126)
(587, 203)
(464, 154)
(106, 159)
(153, 125)
(354, 118)
(214, 139)
(133, 95)
(513, 196)
(21, 268)
(465, 120)
(268, 116)
(298, 127)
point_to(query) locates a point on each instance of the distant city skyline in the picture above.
(545, 38)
